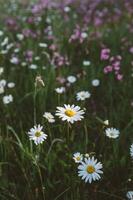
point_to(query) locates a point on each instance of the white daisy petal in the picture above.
(112, 133)
(70, 113)
(37, 135)
(90, 169)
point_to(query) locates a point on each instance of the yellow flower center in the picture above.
(70, 113)
(38, 134)
(78, 158)
(90, 169)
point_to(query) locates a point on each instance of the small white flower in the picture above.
(1, 70)
(14, 60)
(131, 150)
(71, 79)
(77, 157)
(7, 99)
(48, 20)
(23, 64)
(33, 66)
(3, 83)
(1, 89)
(5, 42)
(37, 135)
(20, 36)
(95, 82)
(60, 90)
(11, 85)
(130, 195)
(81, 96)
(16, 50)
(37, 58)
(84, 35)
(4, 51)
(70, 113)
(86, 62)
(9, 46)
(112, 132)
(43, 45)
(90, 170)
(43, 67)
(39, 19)
(50, 33)
(67, 9)
(49, 117)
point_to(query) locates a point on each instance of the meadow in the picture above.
(66, 100)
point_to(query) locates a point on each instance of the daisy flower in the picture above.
(33, 66)
(43, 45)
(23, 64)
(67, 9)
(60, 90)
(95, 82)
(86, 62)
(112, 132)
(9, 46)
(71, 79)
(37, 134)
(1, 89)
(49, 117)
(3, 83)
(130, 195)
(70, 113)
(20, 36)
(14, 60)
(11, 85)
(77, 157)
(131, 150)
(7, 99)
(37, 58)
(4, 52)
(81, 96)
(90, 169)
(16, 50)
(5, 42)
(84, 35)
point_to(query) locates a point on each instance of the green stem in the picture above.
(50, 134)
(58, 99)
(40, 175)
(68, 131)
(86, 137)
(34, 101)
(39, 171)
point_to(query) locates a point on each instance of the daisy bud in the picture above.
(39, 81)
(106, 122)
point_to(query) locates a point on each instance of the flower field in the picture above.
(66, 100)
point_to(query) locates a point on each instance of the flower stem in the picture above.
(34, 101)
(86, 137)
(68, 131)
